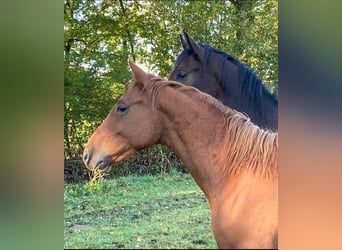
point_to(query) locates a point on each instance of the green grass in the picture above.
(163, 211)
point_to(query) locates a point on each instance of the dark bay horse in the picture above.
(227, 79)
(232, 160)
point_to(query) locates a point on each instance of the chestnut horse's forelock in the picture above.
(247, 147)
(154, 85)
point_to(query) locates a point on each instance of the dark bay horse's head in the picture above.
(131, 125)
(191, 68)
(227, 79)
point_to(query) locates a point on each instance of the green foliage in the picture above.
(100, 35)
(160, 211)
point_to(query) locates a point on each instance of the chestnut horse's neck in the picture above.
(196, 127)
(190, 133)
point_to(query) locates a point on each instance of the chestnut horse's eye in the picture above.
(122, 109)
(181, 74)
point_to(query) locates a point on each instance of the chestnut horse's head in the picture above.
(131, 125)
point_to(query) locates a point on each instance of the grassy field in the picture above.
(163, 211)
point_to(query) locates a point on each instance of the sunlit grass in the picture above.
(137, 212)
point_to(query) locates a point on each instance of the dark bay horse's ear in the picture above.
(183, 40)
(138, 73)
(195, 48)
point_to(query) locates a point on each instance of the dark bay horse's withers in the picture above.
(232, 160)
(227, 79)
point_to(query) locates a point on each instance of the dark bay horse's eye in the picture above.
(122, 109)
(181, 74)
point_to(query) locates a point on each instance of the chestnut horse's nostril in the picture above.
(86, 157)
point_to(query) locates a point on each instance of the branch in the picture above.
(127, 30)
(233, 2)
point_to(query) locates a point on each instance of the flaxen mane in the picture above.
(248, 147)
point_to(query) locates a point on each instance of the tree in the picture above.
(100, 35)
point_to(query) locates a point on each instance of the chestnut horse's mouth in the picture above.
(106, 165)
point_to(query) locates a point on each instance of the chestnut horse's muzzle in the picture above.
(91, 162)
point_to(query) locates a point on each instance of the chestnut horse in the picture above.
(232, 160)
(227, 79)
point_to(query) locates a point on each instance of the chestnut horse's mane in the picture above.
(248, 147)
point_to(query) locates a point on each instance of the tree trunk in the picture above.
(245, 17)
(128, 33)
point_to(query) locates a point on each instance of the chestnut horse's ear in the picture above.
(138, 73)
(195, 48)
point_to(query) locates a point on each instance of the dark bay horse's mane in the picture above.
(250, 85)
(247, 145)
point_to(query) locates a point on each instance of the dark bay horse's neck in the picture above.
(195, 134)
(244, 93)
(263, 113)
